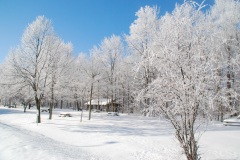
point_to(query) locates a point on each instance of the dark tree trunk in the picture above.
(78, 106)
(90, 106)
(61, 106)
(113, 107)
(229, 77)
(52, 101)
(221, 112)
(56, 104)
(25, 107)
(38, 104)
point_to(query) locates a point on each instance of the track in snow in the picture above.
(16, 143)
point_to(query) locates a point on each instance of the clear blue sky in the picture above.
(84, 23)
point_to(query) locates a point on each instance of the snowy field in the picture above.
(104, 138)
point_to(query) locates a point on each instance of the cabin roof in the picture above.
(101, 101)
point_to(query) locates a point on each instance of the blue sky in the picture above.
(84, 23)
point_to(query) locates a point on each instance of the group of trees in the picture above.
(183, 65)
(35, 68)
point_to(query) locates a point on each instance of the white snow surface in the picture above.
(123, 137)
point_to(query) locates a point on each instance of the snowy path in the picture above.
(21, 142)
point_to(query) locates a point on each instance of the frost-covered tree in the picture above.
(140, 44)
(30, 61)
(181, 89)
(111, 55)
(60, 58)
(223, 25)
(12, 91)
(77, 81)
(126, 83)
(92, 70)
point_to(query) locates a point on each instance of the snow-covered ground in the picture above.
(104, 138)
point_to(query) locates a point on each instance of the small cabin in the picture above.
(103, 104)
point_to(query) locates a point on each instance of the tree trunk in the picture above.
(61, 106)
(113, 107)
(221, 112)
(229, 77)
(128, 99)
(25, 107)
(38, 104)
(123, 102)
(186, 137)
(52, 101)
(81, 116)
(56, 105)
(90, 106)
(78, 106)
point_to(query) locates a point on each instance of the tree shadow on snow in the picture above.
(123, 127)
(12, 111)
